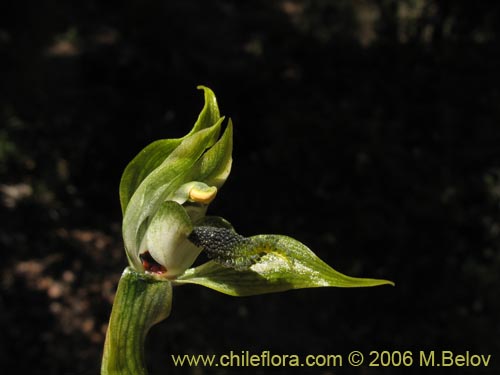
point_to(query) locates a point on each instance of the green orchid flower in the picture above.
(167, 188)
(165, 192)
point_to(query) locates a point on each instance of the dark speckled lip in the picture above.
(216, 240)
(223, 246)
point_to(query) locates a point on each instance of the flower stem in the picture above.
(141, 301)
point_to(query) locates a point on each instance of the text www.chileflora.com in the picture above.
(355, 358)
(263, 359)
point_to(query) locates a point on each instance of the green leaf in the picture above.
(153, 155)
(282, 263)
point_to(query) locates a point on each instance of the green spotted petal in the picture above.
(267, 264)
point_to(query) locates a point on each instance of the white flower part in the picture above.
(166, 239)
(183, 258)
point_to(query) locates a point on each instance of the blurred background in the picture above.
(367, 129)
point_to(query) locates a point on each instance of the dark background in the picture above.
(369, 130)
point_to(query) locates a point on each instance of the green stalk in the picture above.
(141, 301)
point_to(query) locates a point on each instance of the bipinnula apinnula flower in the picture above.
(165, 192)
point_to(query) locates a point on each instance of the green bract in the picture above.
(165, 192)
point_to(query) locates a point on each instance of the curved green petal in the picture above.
(274, 263)
(151, 157)
(142, 165)
(215, 165)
